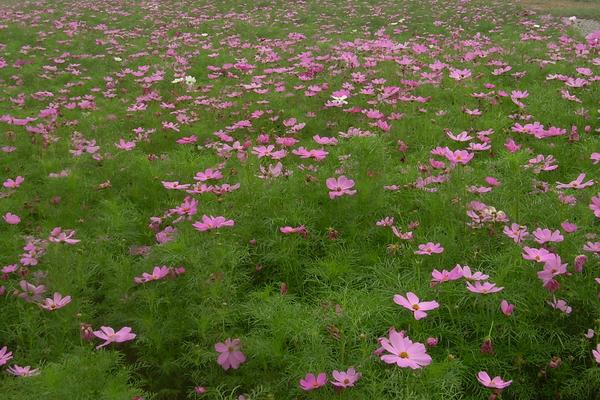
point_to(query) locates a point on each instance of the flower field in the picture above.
(326, 199)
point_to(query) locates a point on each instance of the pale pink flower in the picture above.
(595, 205)
(17, 370)
(231, 355)
(483, 288)
(592, 247)
(109, 335)
(596, 353)
(30, 291)
(411, 302)
(459, 156)
(404, 352)
(430, 248)
(5, 355)
(210, 222)
(561, 305)
(537, 255)
(57, 235)
(387, 221)
(438, 277)
(13, 184)
(57, 301)
(340, 187)
(546, 235)
(123, 145)
(492, 383)
(516, 232)
(569, 227)
(312, 382)
(576, 184)
(506, 307)
(208, 174)
(472, 276)
(345, 379)
(159, 272)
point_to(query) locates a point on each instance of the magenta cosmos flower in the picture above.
(430, 248)
(158, 273)
(404, 352)
(210, 222)
(231, 355)
(345, 379)
(5, 355)
(546, 235)
(596, 353)
(340, 187)
(507, 308)
(492, 383)
(311, 382)
(411, 302)
(57, 301)
(11, 219)
(109, 335)
(17, 370)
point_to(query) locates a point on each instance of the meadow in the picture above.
(328, 199)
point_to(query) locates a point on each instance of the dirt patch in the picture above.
(558, 5)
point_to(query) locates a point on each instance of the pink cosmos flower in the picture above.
(569, 227)
(210, 222)
(576, 184)
(411, 302)
(208, 174)
(592, 247)
(596, 353)
(123, 145)
(387, 221)
(30, 291)
(13, 184)
(340, 187)
(561, 305)
(430, 248)
(231, 355)
(11, 219)
(311, 382)
(109, 335)
(507, 308)
(546, 235)
(5, 355)
(187, 140)
(552, 268)
(516, 232)
(404, 352)
(57, 235)
(512, 146)
(159, 272)
(438, 277)
(459, 74)
(325, 140)
(345, 379)
(495, 383)
(483, 288)
(589, 334)
(537, 255)
(472, 276)
(402, 235)
(459, 156)
(595, 205)
(56, 302)
(17, 370)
